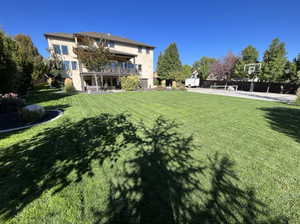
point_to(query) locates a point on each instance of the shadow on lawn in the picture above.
(284, 120)
(162, 183)
(44, 162)
(44, 95)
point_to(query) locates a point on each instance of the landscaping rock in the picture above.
(32, 113)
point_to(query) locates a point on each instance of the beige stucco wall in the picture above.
(74, 74)
(146, 60)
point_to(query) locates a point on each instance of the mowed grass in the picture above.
(262, 138)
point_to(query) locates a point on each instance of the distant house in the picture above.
(128, 57)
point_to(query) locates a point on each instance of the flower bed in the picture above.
(13, 122)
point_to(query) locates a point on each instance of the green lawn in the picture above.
(90, 167)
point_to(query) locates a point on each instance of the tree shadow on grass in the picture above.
(29, 168)
(57, 107)
(284, 120)
(44, 95)
(163, 184)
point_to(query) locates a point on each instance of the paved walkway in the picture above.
(287, 98)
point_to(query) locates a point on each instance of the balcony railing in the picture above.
(119, 68)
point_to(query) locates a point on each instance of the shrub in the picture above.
(10, 102)
(69, 88)
(159, 88)
(32, 113)
(130, 83)
(174, 86)
(50, 81)
(156, 82)
(298, 96)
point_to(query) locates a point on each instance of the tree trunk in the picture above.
(268, 88)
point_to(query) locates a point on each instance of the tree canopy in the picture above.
(168, 62)
(93, 54)
(26, 57)
(250, 54)
(203, 67)
(274, 62)
(223, 68)
(19, 63)
(182, 74)
(8, 66)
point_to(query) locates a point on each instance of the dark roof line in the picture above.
(98, 35)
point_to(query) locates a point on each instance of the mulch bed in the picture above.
(12, 120)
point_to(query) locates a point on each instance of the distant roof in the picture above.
(105, 36)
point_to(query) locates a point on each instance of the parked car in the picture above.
(193, 81)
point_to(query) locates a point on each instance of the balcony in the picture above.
(116, 69)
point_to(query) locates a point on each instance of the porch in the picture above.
(109, 78)
(95, 82)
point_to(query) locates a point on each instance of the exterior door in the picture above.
(144, 83)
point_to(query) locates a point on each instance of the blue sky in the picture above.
(200, 28)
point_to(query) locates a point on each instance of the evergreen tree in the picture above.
(274, 62)
(297, 62)
(290, 73)
(168, 62)
(8, 66)
(40, 68)
(159, 67)
(203, 67)
(249, 55)
(25, 59)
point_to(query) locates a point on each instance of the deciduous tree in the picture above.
(223, 68)
(203, 67)
(182, 74)
(93, 54)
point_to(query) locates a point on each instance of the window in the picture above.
(74, 65)
(56, 49)
(64, 49)
(139, 68)
(66, 65)
(111, 44)
(140, 49)
(148, 50)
